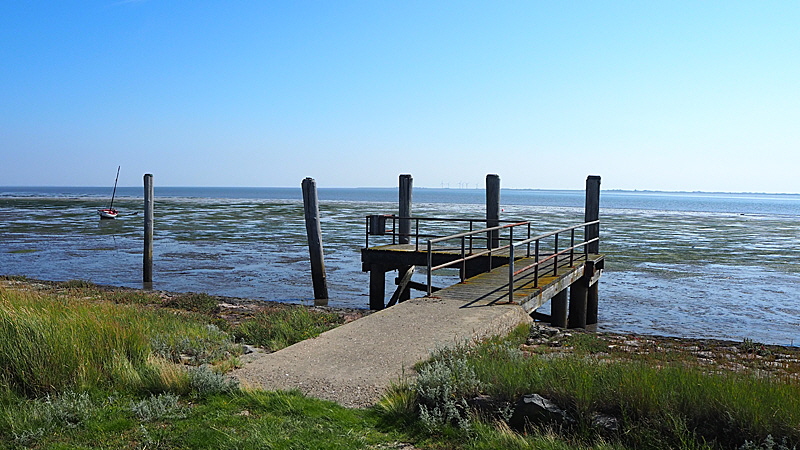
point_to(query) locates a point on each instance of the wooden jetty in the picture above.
(499, 262)
(499, 266)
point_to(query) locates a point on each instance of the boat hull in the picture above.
(107, 213)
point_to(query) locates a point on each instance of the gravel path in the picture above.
(355, 363)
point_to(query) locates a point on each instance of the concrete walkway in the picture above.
(355, 363)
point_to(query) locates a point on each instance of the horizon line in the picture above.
(643, 191)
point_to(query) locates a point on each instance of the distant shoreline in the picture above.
(389, 188)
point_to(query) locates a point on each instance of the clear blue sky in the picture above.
(671, 95)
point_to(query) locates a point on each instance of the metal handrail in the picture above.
(467, 249)
(416, 235)
(556, 253)
(464, 256)
(536, 240)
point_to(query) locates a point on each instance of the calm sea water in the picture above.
(683, 264)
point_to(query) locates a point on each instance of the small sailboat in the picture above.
(110, 212)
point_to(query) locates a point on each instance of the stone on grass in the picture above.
(533, 409)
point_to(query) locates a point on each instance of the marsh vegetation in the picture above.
(88, 367)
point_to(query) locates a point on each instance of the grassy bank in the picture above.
(236, 420)
(49, 345)
(658, 396)
(88, 367)
(269, 325)
(83, 366)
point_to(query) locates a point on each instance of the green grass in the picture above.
(18, 278)
(191, 301)
(241, 420)
(77, 284)
(83, 367)
(51, 344)
(82, 372)
(658, 404)
(279, 328)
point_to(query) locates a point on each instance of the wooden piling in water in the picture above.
(592, 211)
(314, 232)
(493, 208)
(406, 186)
(147, 258)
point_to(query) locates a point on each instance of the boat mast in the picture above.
(114, 192)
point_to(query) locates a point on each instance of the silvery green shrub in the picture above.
(443, 386)
(204, 381)
(768, 444)
(41, 417)
(157, 407)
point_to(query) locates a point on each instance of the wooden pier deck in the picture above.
(492, 287)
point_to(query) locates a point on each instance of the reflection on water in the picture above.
(703, 274)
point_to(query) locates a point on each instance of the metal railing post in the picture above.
(416, 232)
(511, 274)
(528, 254)
(430, 265)
(555, 257)
(536, 268)
(471, 229)
(463, 271)
(572, 247)
(489, 239)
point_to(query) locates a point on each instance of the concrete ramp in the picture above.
(355, 363)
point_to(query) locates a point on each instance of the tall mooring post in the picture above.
(592, 213)
(406, 186)
(582, 308)
(404, 273)
(493, 208)
(147, 258)
(314, 232)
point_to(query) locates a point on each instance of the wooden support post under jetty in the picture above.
(147, 258)
(558, 309)
(577, 304)
(493, 208)
(377, 286)
(592, 275)
(591, 305)
(314, 232)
